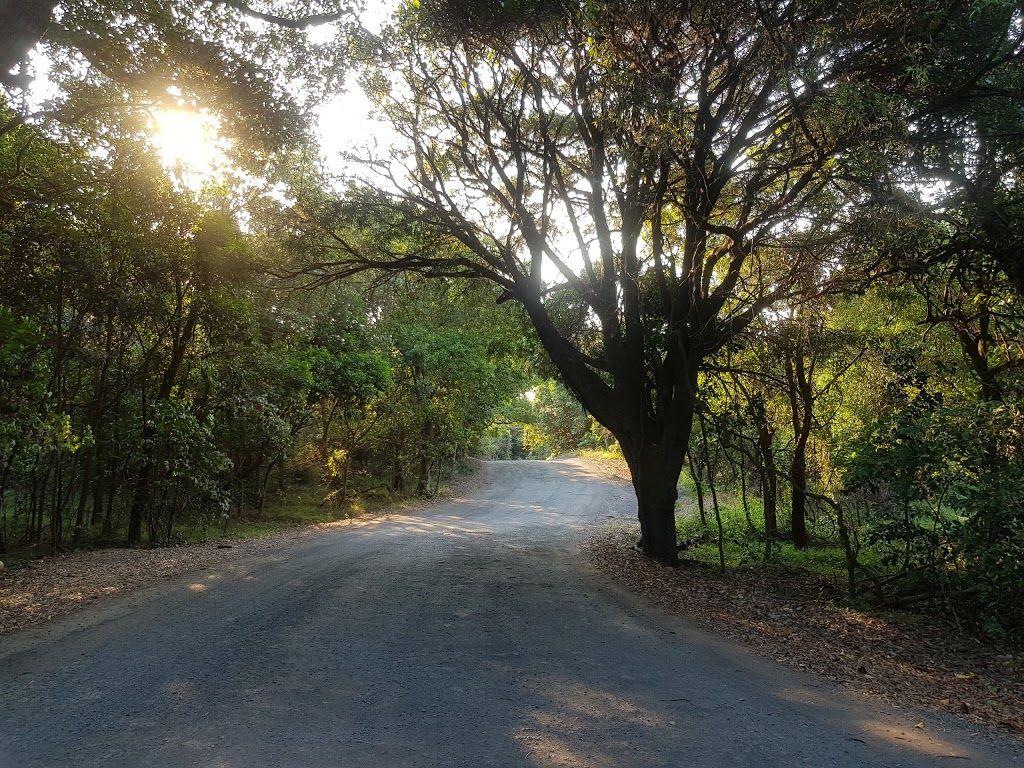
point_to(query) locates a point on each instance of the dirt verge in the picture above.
(914, 661)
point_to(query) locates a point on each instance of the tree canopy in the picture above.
(777, 243)
(647, 179)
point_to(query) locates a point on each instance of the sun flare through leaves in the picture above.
(188, 140)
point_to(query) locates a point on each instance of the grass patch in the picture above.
(602, 453)
(744, 542)
(297, 508)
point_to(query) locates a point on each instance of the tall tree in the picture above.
(644, 178)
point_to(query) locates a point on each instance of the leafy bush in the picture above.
(943, 486)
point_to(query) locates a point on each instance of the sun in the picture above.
(187, 140)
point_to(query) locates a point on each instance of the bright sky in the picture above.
(346, 122)
(188, 143)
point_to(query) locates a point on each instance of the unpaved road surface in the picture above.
(464, 635)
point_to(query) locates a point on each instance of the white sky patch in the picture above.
(322, 33)
(347, 123)
(931, 194)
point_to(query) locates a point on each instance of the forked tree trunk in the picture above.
(653, 428)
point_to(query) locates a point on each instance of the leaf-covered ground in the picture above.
(914, 661)
(45, 589)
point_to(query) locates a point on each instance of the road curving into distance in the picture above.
(468, 634)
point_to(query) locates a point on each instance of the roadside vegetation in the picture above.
(774, 247)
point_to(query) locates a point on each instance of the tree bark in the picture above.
(975, 348)
(698, 486)
(655, 474)
(798, 481)
(769, 494)
(88, 472)
(801, 400)
(423, 482)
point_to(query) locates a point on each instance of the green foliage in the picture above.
(22, 380)
(744, 544)
(943, 487)
(191, 463)
(501, 442)
(154, 380)
(561, 422)
(547, 421)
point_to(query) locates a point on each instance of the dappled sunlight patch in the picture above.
(576, 714)
(547, 750)
(594, 703)
(917, 737)
(411, 523)
(15, 600)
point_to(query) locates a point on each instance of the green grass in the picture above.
(295, 508)
(290, 509)
(744, 542)
(601, 453)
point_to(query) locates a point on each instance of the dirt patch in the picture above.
(914, 661)
(45, 589)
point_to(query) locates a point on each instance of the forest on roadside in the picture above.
(776, 250)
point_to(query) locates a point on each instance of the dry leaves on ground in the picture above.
(50, 587)
(907, 659)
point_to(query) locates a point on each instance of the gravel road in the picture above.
(468, 634)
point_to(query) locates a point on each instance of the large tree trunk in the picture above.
(655, 474)
(653, 429)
